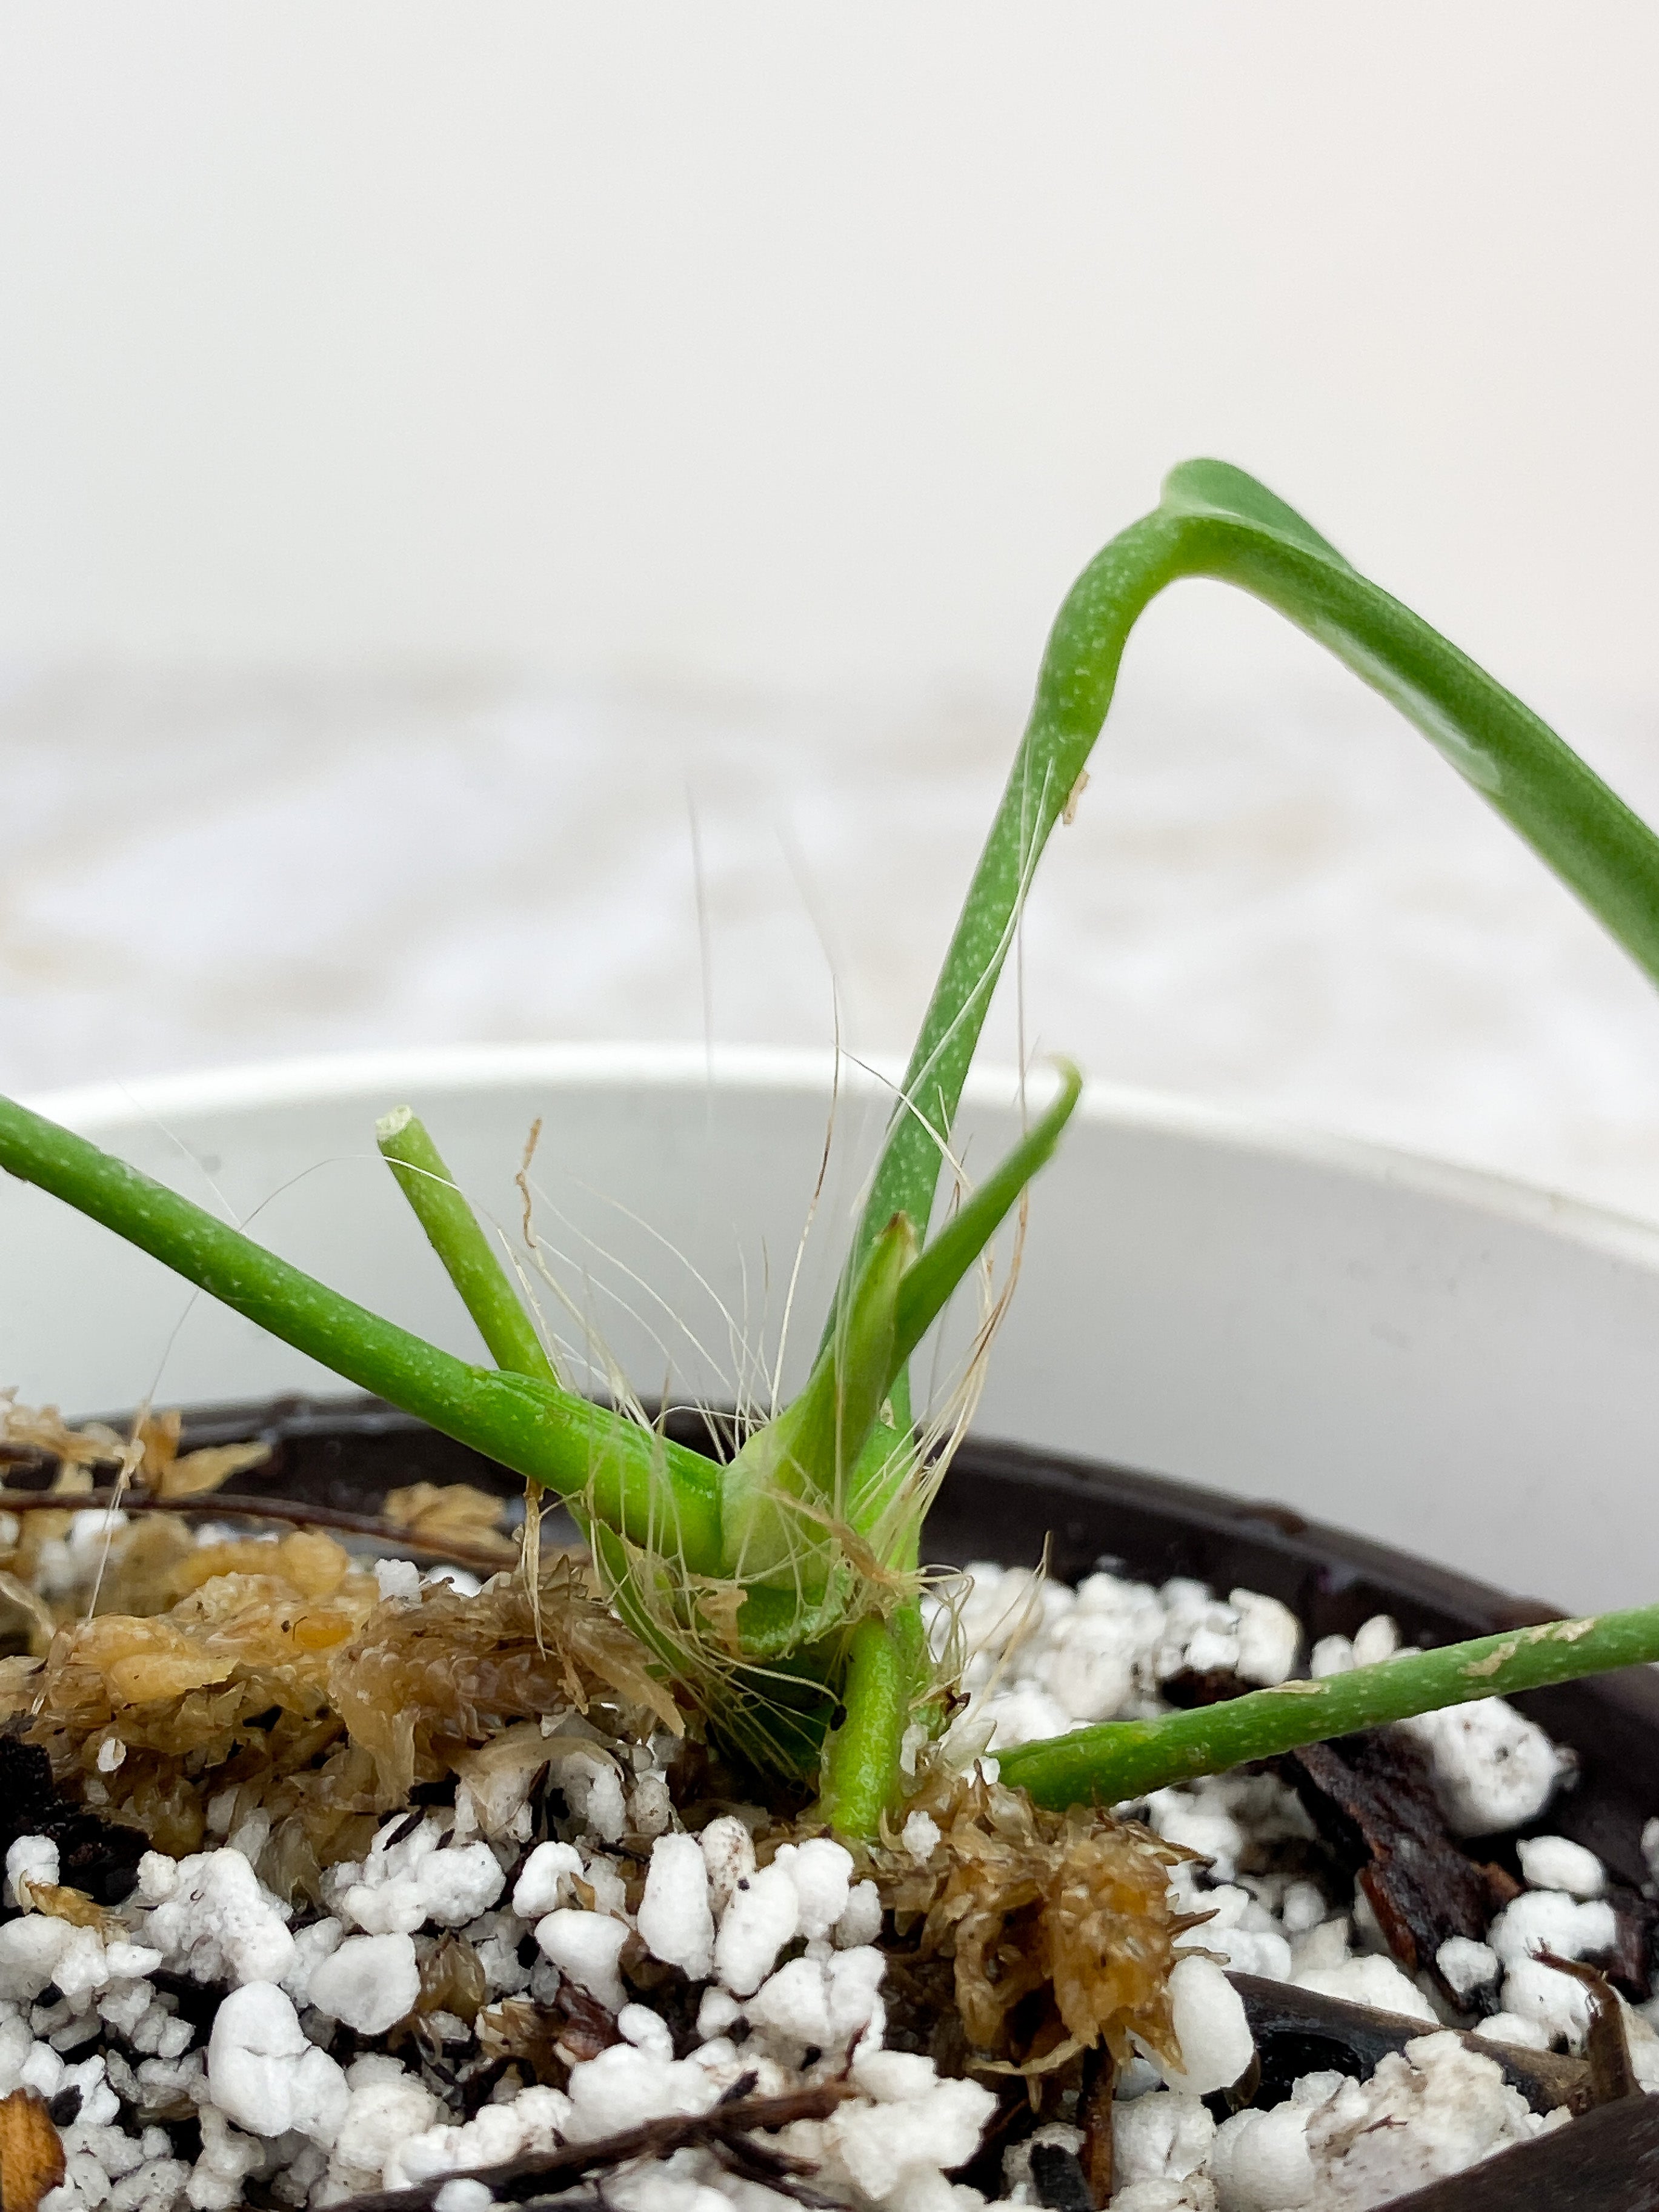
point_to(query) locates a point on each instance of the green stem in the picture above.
(456, 1235)
(928, 1286)
(1214, 521)
(861, 1757)
(1118, 1760)
(659, 1492)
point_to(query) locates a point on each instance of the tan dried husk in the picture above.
(1025, 1901)
(59, 1903)
(275, 1668)
(439, 1513)
(431, 1680)
(137, 1577)
(151, 1455)
(32, 2161)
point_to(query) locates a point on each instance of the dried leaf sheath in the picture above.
(424, 1683)
(277, 1668)
(1023, 1899)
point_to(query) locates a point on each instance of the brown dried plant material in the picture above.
(28, 1533)
(1024, 1900)
(276, 1670)
(152, 1449)
(424, 1683)
(165, 1472)
(196, 1473)
(272, 1669)
(142, 1574)
(527, 2034)
(503, 1773)
(29, 1430)
(453, 1980)
(236, 1633)
(33, 1607)
(228, 1685)
(59, 1903)
(31, 2151)
(1607, 2046)
(438, 1513)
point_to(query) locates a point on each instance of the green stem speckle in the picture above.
(861, 1778)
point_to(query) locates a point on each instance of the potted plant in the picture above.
(777, 1581)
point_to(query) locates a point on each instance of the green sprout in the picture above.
(782, 1588)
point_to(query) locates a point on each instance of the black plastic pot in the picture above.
(1004, 1502)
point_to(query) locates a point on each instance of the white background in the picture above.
(443, 450)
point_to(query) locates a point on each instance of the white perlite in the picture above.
(762, 1915)
(586, 1946)
(1044, 1658)
(786, 1979)
(1209, 2014)
(676, 1922)
(31, 1858)
(216, 1922)
(1556, 1863)
(265, 2074)
(403, 1885)
(1493, 1767)
(545, 1879)
(388, 2107)
(1466, 1966)
(370, 1982)
(820, 2002)
(728, 1851)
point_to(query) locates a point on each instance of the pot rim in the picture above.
(105, 1110)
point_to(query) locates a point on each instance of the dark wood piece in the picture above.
(1094, 2117)
(727, 2129)
(1608, 2161)
(1300, 2031)
(1371, 1799)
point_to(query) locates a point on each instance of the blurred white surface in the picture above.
(1281, 901)
(809, 345)
(609, 417)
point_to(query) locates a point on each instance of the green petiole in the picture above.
(456, 1235)
(656, 1491)
(1212, 520)
(1118, 1760)
(861, 1757)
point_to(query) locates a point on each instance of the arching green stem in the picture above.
(1123, 1759)
(1213, 520)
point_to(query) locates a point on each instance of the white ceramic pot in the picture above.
(1444, 1361)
